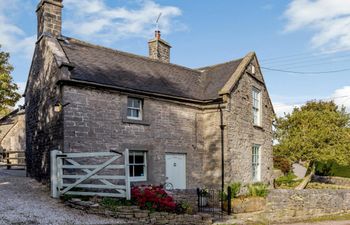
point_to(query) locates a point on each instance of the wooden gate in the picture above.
(68, 173)
(13, 159)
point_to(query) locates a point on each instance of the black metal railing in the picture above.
(214, 201)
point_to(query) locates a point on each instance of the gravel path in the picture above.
(344, 222)
(25, 201)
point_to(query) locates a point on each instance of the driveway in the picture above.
(25, 201)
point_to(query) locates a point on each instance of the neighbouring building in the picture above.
(170, 117)
(12, 136)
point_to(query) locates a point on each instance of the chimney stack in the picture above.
(159, 49)
(49, 13)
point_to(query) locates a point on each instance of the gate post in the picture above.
(229, 197)
(127, 174)
(8, 162)
(53, 174)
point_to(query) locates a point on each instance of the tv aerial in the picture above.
(157, 21)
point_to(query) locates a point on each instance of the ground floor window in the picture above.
(138, 166)
(256, 170)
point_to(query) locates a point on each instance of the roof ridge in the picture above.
(218, 64)
(130, 54)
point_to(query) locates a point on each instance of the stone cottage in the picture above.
(12, 136)
(175, 121)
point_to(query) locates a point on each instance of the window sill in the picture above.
(138, 179)
(258, 127)
(140, 122)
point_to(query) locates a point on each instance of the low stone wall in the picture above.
(187, 195)
(135, 216)
(287, 205)
(342, 181)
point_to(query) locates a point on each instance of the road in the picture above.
(25, 201)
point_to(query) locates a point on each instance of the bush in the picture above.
(153, 198)
(325, 169)
(287, 180)
(282, 164)
(258, 190)
(113, 203)
(235, 189)
(183, 207)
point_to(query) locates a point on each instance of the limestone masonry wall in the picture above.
(342, 181)
(284, 205)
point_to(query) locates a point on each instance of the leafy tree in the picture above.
(8, 89)
(318, 131)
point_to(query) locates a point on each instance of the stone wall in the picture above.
(135, 216)
(95, 121)
(43, 125)
(342, 181)
(188, 196)
(286, 205)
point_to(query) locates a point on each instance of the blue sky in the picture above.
(310, 37)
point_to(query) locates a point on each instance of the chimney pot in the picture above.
(157, 34)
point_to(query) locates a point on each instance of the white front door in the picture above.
(176, 170)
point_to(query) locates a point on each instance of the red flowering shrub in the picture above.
(153, 198)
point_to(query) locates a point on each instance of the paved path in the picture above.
(24, 201)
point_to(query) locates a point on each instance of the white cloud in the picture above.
(12, 38)
(94, 19)
(21, 88)
(330, 19)
(282, 109)
(342, 97)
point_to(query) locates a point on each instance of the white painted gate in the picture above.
(176, 170)
(67, 173)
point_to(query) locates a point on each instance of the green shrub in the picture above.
(258, 190)
(282, 164)
(287, 181)
(325, 169)
(113, 203)
(235, 189)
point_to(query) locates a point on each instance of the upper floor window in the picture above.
(256, 107)
(137, 166)
(134, 109)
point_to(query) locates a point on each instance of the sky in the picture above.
(302, 45)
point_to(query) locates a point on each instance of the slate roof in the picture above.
(106, 66)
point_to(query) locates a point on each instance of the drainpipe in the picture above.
(222, 128)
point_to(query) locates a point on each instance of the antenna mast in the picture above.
(157, 22)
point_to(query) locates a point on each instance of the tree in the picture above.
(316, 132)
(8, 89)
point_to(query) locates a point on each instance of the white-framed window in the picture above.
(256, 107)
(253, 69)
(134, 108)
(138, 165)
(256, 161)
